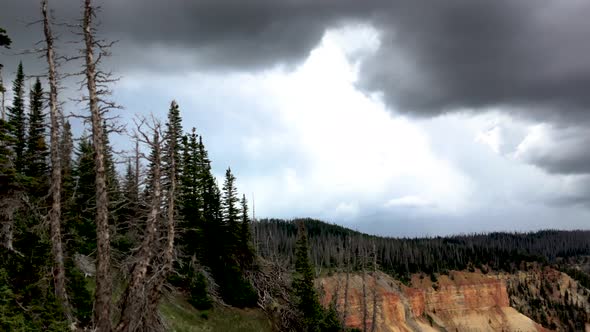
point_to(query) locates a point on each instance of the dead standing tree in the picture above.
(375, 294)
(56, 171)
(363, 259)
(96, 82)
(134, 300)
(155, 292)
(347, 249)
(2, 92)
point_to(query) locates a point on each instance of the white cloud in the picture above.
(307, 142)
(491, 137)
(408, 201)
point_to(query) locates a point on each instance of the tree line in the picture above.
(331, 245)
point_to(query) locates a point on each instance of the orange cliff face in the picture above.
(459, 302)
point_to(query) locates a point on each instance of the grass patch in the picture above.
(182, 317)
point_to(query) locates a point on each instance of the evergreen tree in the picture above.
(307, 300)
(8, 175)
(66, 148)
(191, 195)
(81, 227)
(4, 39)
(112, 178)
(130, 212)
(36, 146)
(229, 204)
(16, 118)
(211, 197)
(172, 137)
(246, 252)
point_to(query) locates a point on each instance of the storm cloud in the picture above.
(435, 57)
(528, 58)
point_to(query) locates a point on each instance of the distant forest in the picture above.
(334, 247)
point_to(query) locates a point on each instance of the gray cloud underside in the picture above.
(530, 56)
(435, 56)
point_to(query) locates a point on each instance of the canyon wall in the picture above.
(461, 301)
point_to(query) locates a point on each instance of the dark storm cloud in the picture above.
(478, 54)
(227, 34)
(562, 150)
(531, 57)
(435, 56)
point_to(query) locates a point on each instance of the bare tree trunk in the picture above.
(9, 204)
(137, 166)
(135, 297)
(59, 274)
(2, 88)
(347, 284)
(363, 276)
(102, 307)
(374, 318)
(155, 293)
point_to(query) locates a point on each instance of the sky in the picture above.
(393, 117)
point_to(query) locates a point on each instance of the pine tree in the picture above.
(66, 149)
(129, 212)
(4, 39)
(113, 186)
(306, 296)
(36, 148)
(246, 252)
(229, 202)
(191, 196)
(211, 197)
(81, 227)
(7, 171)
(173, 137)
(16, 118)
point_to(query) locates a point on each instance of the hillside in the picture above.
(461, 301)
(521, 275)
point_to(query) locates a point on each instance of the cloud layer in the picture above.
(433, 58)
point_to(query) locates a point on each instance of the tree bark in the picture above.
(363, 276)
(347, 283)
(102, 307)
(155, 293)
(2, 108)
(374, 318)
(135, 295)
(55, 187)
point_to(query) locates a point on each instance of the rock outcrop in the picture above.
(462, 301)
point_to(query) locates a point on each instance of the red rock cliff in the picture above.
(461, 301)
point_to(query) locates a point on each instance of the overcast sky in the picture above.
(394, 117)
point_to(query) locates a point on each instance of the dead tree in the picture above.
(10, 203)
(364, 282)
(59, 275)
(374, 318)
(134, 299)
(2, 92)
(347, 282)
(102, 307)
(155, 293)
